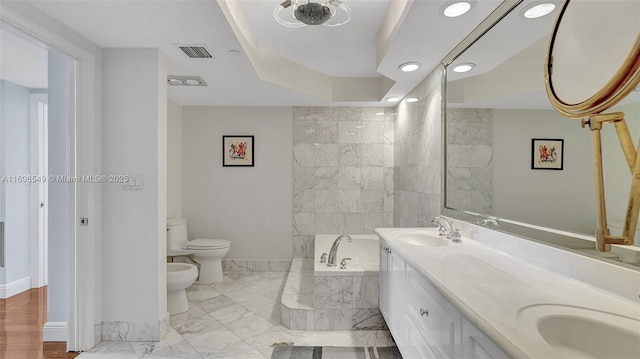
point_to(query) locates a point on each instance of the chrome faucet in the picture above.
(446, 228)
(331, 262)
(489, 222)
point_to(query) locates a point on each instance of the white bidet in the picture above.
(179, 277)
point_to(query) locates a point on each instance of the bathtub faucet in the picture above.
(331, 262)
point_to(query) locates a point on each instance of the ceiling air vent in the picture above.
(196, 52)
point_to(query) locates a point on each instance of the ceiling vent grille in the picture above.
(196, 52)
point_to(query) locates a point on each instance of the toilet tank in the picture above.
(176, 233)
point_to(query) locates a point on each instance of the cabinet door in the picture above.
(477, 345)
(397, 292)
(383, 300)
(415, 347)
(438, 321)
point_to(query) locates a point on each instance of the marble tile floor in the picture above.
(236, 319)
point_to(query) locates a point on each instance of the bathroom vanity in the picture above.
(495, 295)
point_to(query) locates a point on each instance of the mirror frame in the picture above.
(536, 233)
(626, 78)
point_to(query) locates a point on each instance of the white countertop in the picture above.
(503, 295)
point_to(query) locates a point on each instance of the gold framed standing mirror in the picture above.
(593, 63)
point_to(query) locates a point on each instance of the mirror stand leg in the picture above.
(602, 230)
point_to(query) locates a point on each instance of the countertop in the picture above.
(503, 295)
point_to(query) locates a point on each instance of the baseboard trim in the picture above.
(16, 287)
(54, 332)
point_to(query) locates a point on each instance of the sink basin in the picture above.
(423, 239)
(585, 333)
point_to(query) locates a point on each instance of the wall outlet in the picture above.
(134, 183)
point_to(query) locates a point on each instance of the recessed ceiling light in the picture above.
(380, 113)
(411, 99)
(456, 8)
(393, 99)
(234, 52)
(409, 66)
(464, 67)
(175, 82)
(538, 10)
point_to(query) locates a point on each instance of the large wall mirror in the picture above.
(510, 155)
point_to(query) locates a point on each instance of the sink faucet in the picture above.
(331, 262)
(489, 222)
(446, 228)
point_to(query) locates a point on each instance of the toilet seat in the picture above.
(207, 243)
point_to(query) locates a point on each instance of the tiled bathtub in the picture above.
(331, 298)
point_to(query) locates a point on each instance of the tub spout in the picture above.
(331, 262)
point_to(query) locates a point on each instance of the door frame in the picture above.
(84, 158)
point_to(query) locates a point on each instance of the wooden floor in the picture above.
(21, 319)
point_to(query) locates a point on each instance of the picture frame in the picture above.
(547, 154)
(237, 151)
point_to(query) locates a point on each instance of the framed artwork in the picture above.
(547, 154)
(237, 151)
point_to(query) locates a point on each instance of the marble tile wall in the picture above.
(343, 172)
(469, 159)
(418, 155)
(329, 303)
(134, 331)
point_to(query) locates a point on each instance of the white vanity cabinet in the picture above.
(392, 270)
(477, 345)
(384, 280)
(422, 321)
(437, 320)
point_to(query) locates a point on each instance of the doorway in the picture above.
(79, 263)
(23, 84)
(37, 130)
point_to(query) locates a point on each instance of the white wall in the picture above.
(58, 286)
(134, 221)
(250, 206)
(556, 199)
(174, 159)
(15, 114)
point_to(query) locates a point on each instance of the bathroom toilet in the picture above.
(206, 252)
(179, 277)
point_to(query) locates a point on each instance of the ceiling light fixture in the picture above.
(174, 80)
(538, 9)
(393, 99)
(411, 99)
(380, 113)
(300, 13)
(457, 8)
(409, 66)
(464, 67)
(193, 82)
